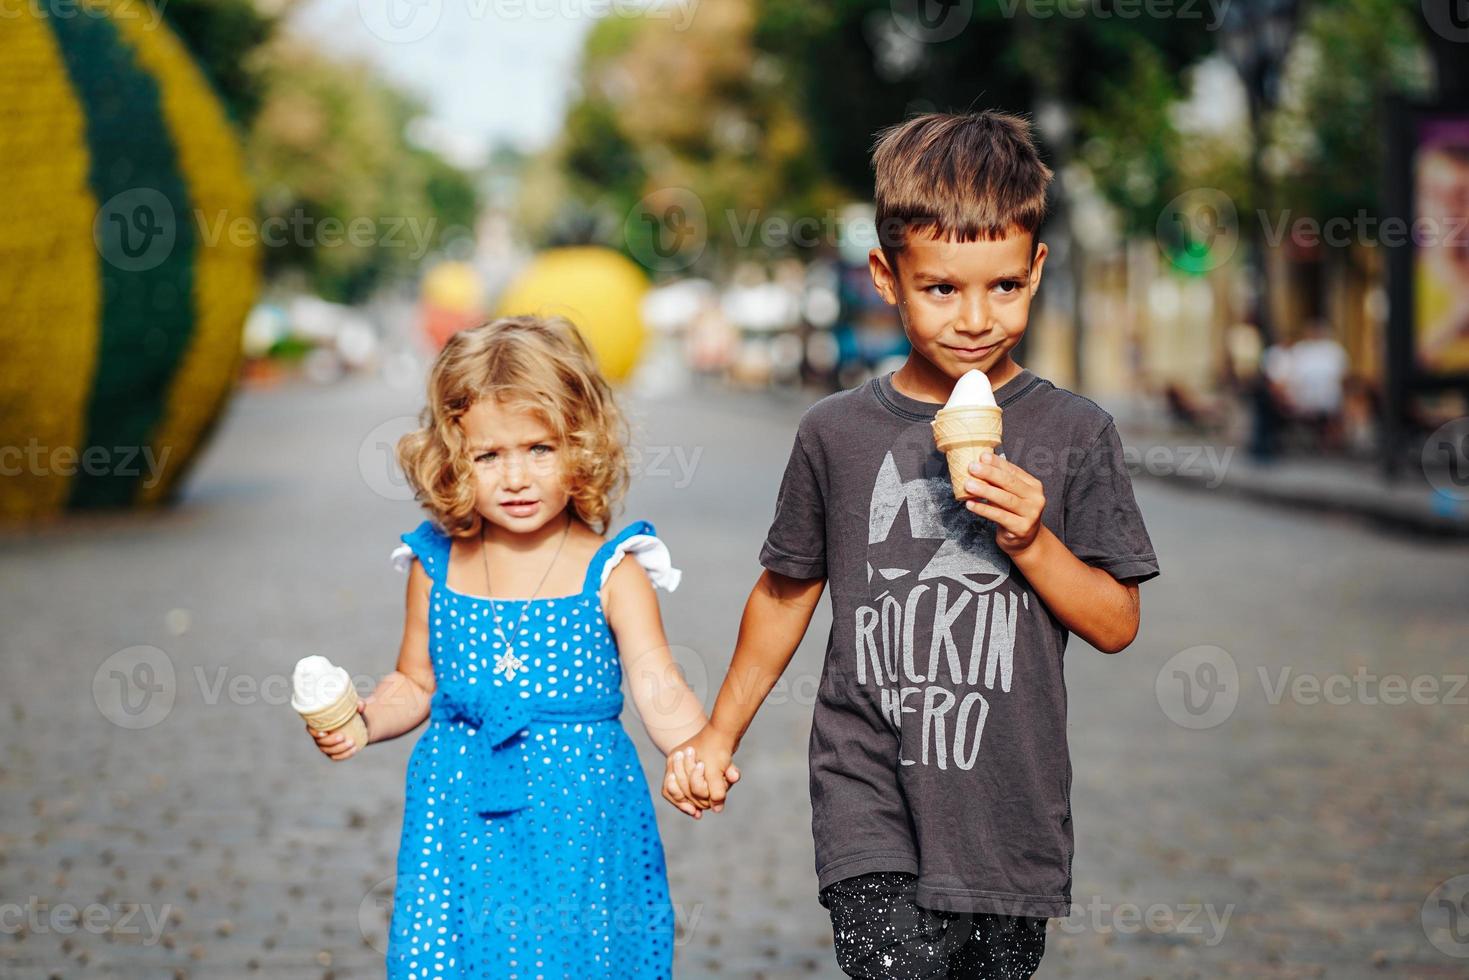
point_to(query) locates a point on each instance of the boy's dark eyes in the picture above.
(948, 289)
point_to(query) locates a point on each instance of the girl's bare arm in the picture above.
(668, 708)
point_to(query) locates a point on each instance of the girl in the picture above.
(529, 847)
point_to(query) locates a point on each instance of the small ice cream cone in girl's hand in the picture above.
(324, 696)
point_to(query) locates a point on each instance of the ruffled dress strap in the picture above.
(639, 539)
(430, 546)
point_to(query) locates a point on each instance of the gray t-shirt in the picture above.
(938, 742)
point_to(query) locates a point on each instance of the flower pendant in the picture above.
(508, 663)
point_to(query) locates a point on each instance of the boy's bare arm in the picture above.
(775, 619)
(1088, 601)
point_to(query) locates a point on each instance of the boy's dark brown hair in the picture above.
(962, 176)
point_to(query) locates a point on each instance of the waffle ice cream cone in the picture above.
(962, 434)
(324, 696)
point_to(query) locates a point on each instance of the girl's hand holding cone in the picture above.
(337, 746)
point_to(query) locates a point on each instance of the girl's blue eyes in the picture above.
(534, 451)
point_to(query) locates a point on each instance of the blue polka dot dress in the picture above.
(529, 846)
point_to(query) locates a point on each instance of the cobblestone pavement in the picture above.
(197, 834)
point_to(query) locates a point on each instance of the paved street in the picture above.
(198, 833)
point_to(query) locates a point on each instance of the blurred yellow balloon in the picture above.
(452, 286)
(599, 290)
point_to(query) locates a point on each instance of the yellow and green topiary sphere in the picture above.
(599, 290)
(127, 259)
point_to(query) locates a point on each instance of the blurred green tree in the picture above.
(1325, 140)
(327, 141)
(860, 65)
(668, 106)
(330, 151)
(772, 105)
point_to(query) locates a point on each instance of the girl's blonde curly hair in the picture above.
(539, 363)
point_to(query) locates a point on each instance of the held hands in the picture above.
(337, 746)
(1010, 497)
(700, 771)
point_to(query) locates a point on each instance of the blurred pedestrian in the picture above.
(1313, 379)
(1268, 401)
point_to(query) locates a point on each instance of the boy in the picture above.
(940, 777)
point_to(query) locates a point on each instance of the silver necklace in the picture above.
(507, 662)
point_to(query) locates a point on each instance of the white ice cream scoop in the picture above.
(316, 684)
(971, 391)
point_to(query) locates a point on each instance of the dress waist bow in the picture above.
(494, 775)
